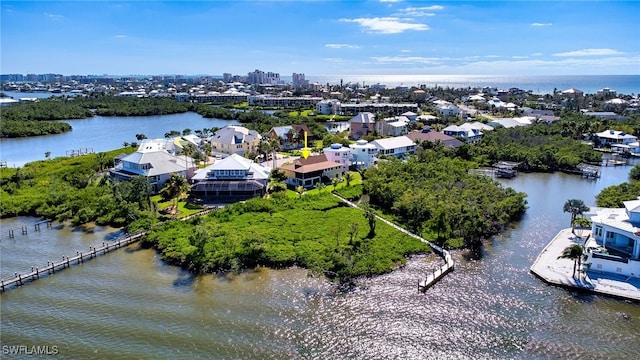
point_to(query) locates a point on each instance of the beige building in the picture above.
(234, 139)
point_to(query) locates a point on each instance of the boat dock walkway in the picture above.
(559, 272)
(432, 278)
(67, 262)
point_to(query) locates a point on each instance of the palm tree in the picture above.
(573, 252)
(274, 145)
(101, 159)
(580, 224)
(335, 181)
(188, 149)
(348, 177)
(208, 150)
(575, 207)
(370, 215)
(174, 189)
(264, 148)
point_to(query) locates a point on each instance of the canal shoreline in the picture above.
(559, 272)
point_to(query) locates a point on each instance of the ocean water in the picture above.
(590, 84)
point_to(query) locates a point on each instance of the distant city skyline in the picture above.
(386, 37)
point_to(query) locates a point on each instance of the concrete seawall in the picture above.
(559, 272)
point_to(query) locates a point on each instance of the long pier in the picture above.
(53, 267)
(432, 278)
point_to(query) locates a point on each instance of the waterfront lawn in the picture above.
(314, 231)
(184, 208)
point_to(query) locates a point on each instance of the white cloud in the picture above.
(420, 11)
(54, 16)
(519, 57)
(589, 52)
(390, 1)
(537, 24)
(341, 46)
(387, 25)
(537, 54)
(408, 60)
(120, 36)
(405, 51)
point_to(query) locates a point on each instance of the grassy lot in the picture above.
(316, 232)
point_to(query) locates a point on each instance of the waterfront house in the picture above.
(362, 125)
(312, 170)
(153, 161)
(364, 154)
(289, 137)
(233, 178)
(614, 246)
(399, 146)
(611, 137)
(233, 139)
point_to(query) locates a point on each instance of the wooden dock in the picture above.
(24, 229)
(67, 262)
(53, 267)
(432, 278)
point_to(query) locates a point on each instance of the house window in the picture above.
(599, 266)
(609, 235)
(618, 269)
(599, 231)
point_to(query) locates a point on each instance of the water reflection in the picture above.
(130, 304)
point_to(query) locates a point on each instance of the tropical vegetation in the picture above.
(576, 208)
(317, 232)
(76, 189)
(436, 196)
(573, 252)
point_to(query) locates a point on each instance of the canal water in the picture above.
(101, 133)
(130, 304)
(104, 133)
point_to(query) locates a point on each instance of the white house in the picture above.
(364, 154)
(394, 126)
(396, 146)
(471, 132)
(233, 178)
(615, 243)
(328, 107)
(611, 137)
(339, 154)
(154, 162)
(447, 109)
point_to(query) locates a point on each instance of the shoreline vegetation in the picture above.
(431, 194)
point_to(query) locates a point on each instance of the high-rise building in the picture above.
(298, 81)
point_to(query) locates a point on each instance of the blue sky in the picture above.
(321, 37)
